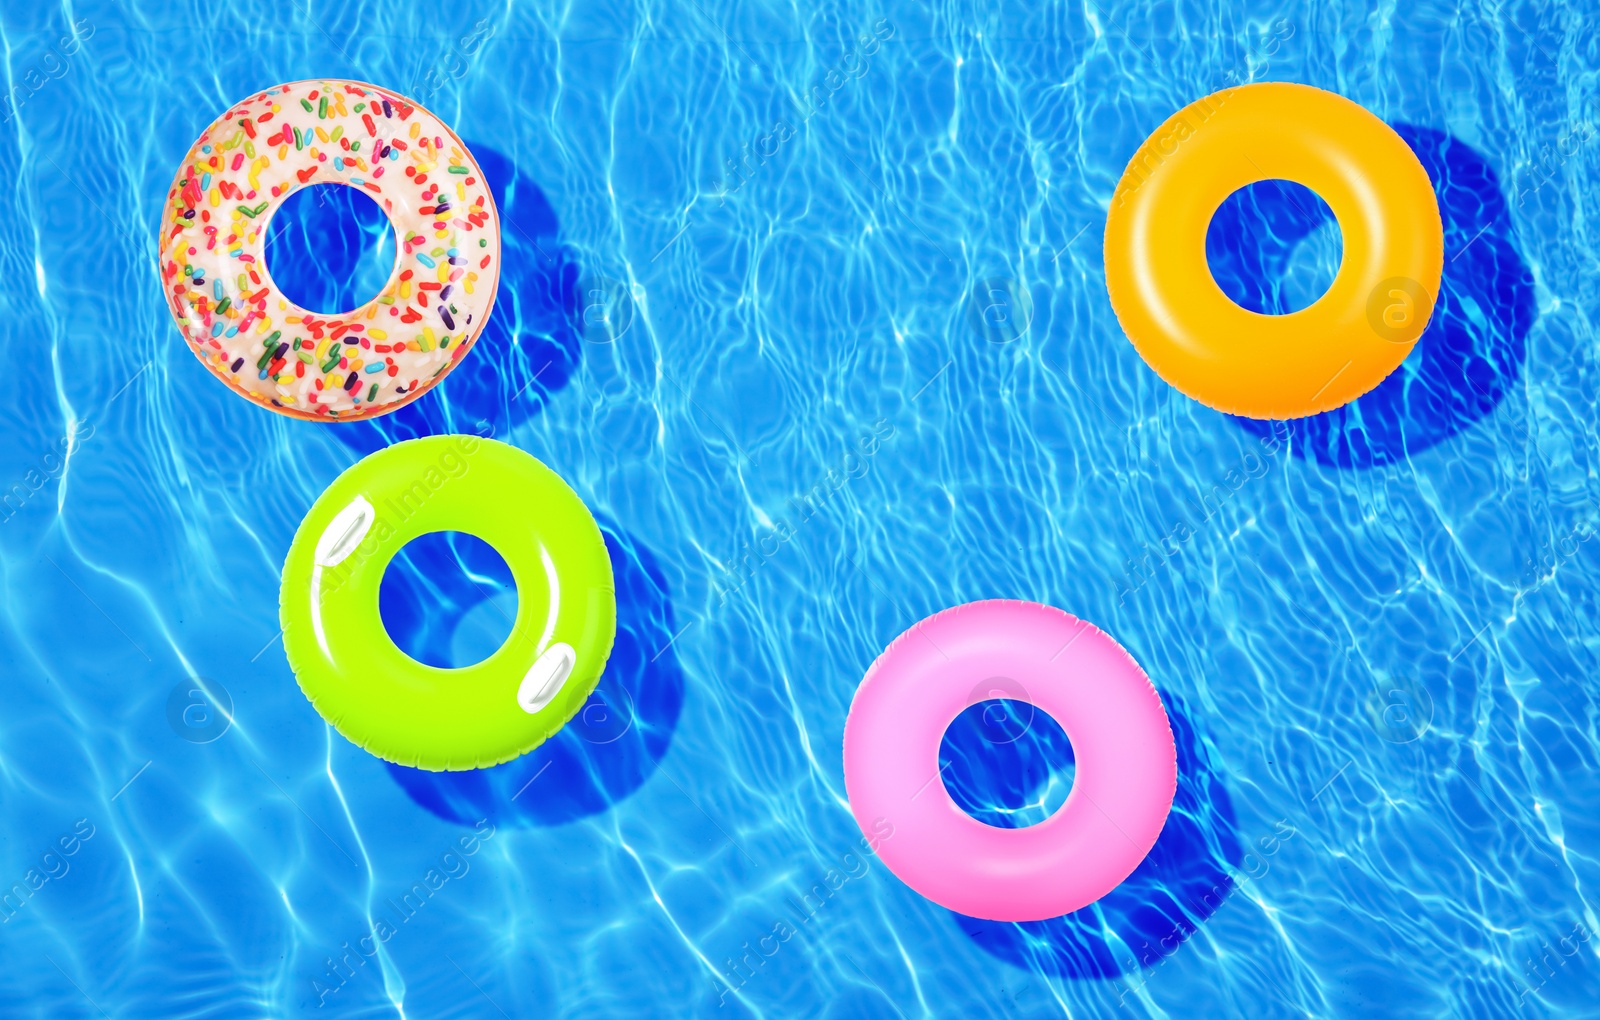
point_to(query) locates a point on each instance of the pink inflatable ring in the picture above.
(1126, 763)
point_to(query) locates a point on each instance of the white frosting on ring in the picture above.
(213, 240)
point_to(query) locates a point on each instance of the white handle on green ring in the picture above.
(546, 676)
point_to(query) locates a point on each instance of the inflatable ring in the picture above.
(356, 364)
(400, 709)
(1274, 366)
(1126, 762)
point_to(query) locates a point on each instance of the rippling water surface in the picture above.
(807, 304)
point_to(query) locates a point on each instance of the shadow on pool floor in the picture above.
(1182, 881)
(1473, 349)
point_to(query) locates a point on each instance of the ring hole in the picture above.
(1007, 763)
(1274, 247)
(330, 248)
(448, 599)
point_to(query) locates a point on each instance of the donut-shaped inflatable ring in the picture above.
(1274, 366)
(1126, 761)
(418, 715)
(355, 364)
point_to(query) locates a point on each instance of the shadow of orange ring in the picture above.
(1273, 366)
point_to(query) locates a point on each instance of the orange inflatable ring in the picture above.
(1274, 366)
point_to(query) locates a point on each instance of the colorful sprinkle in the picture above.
(212, 239)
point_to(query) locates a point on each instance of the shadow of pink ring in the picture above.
(1126, 762)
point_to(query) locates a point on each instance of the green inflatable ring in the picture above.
(418, 715)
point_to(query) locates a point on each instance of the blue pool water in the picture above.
(1376, 631)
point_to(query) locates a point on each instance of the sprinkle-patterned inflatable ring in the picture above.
(356, 364)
